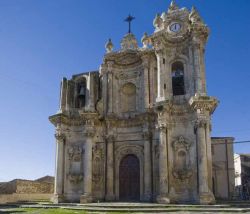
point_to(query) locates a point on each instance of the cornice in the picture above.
(203, 103)
(86, 118)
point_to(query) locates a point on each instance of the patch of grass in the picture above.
(43, 211)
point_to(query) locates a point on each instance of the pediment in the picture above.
(127, 59)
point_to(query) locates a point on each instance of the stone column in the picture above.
(199, 78)
(147, 167)
(203, 107)
(87, 177)
(160, 79)
(103, 71)
(63, 94)
(205, 195)
(70, 94)
(168, 92)
(146, 81)
(203, 72)
(163, 170)
(58, 188)
(110, 169)
(209, 155)
(105, 92)
(91, 89)
(110, 87)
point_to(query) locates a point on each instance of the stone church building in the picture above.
(138, 129)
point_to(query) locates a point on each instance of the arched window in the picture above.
(178, 78)
(128, 97)
(81, 94)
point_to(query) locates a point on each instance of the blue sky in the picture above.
(42, 41)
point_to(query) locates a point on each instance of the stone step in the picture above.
(143, 208)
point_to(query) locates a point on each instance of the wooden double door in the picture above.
(129, 179)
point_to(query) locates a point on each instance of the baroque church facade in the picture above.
(138, 129)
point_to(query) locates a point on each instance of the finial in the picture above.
(157, 21)
(144, 40)
(173, 6)
(129, 19)
(194, 16)
(109, 46)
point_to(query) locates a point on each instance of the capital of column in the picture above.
(158, 45)
(60, 136)
(110, 138)
(161, 127)
(110, 65)
(159, 53)
(145, 60)
(146, 135)
(201, 123)
(89, 133)
(164, 126)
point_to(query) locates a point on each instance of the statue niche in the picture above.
(128, 97)
(75, 174)
(182, 169)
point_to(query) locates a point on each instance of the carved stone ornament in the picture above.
(194, 17)
(129, 75)
(128, 149)
(146, 135)
(89, 133)
(180, 143)
(182, 174)
(59, 136)
(182, 169)
(75, 120)
(203, 103)
(75, 178)
(201, 123)
(75, 153)
(129, 42)
(158, 22)
(110, 138)
(173, 6)
(98, 167)
(161, 127)
(145, 41)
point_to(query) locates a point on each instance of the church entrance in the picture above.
(129, 179)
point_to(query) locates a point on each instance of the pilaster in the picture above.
(160, 79)
(63, 94)
(147, 167)
(146, 81)
(110, 196)
(163, 170)
(199, 88)
(91, 85)
(59, 183)
(87, 181)
(110, 86)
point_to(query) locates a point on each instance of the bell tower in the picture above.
(183, 107)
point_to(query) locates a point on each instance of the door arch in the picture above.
(129, 178)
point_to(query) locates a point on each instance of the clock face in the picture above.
(175, 27)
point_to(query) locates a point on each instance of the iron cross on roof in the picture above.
(129, 19)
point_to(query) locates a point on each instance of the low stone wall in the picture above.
(33, 187)
(15, 197)
(25, 186)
